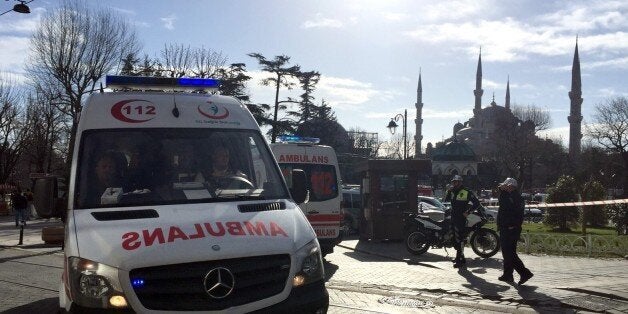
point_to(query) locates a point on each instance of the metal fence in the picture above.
(567, 244)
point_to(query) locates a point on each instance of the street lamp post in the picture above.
(392, 126)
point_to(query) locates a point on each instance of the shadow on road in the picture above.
(484, 288)
(540, 302)
(44, 306)
(330, 269)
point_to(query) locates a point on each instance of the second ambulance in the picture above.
(323, 177)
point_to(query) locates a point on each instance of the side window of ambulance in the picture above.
(323, 182)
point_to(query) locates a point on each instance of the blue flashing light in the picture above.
(135, 81)
(137, 283)
(298, 139)
(199, 82)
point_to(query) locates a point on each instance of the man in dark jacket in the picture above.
(19, 202)
(509, 220)
(459, 196)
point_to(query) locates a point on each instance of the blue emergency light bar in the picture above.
(161, 82)
(298, 139)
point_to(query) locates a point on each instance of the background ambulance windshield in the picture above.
(119, 168)
(322, 182)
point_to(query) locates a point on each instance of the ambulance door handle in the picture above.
(311, 212)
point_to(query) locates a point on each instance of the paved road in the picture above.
(367, 277)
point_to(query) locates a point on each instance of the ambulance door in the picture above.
(323, 209)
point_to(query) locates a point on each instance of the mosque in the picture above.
(463, 152)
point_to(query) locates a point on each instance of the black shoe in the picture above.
(505, 278)
(460, 263)
(525, 277)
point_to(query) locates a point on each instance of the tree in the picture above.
(515, 147)
(594, 216)
(610, 129)
(306, 108)
(46, 133)
(72, 48)
(618, 214)
(14, 128)
(540, 118)
(233, 83)
(282, 72)
(565, 190)
(393, 148)
(178, 60)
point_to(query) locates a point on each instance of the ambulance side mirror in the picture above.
(299, 187)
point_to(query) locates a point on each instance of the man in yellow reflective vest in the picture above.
(459, 196)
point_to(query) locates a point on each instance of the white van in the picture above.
(323, 181)
(154, 224)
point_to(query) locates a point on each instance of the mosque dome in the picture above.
(457, 127)
(453, 151)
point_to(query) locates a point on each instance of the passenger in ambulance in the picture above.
(143, 167)
(108, 173)
(222, 175)
(185, 166)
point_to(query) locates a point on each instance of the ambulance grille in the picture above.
(181, 286)
(261, 207)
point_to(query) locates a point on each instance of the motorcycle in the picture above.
(423, 232)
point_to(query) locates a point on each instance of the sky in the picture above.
(370, 53)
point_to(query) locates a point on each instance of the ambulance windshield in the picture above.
(137, 167)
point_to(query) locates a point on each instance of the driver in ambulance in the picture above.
(222, 175)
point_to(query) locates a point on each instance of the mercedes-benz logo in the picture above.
(219, 283)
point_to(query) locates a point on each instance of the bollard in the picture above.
(21, 233)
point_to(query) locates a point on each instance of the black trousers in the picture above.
(459, 224)
(508, 239)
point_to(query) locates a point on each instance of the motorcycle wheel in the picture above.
(416, 243)
(485, 242)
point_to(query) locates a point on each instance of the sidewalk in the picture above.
(10, 235)
(578, 282)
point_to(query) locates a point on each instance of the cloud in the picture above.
(454, 10)
(23, 25)
(13, 51)
(322, 22)
(601, 26)
(428, 113)
(168, 21)
(560, 133)
(395, 16)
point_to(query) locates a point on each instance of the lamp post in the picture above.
(392, 126)
(21, 7)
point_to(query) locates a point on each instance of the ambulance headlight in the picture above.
(310, 262)
(95, 285)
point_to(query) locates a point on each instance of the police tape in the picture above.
(573, 204)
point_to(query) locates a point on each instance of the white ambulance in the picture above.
(323, 181)
(176, 204)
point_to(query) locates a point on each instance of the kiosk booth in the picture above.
(389, 189)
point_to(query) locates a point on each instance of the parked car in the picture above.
(431, 207)
(351, 209)
(533, 215)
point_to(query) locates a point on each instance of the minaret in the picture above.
(507, 103)
(419, 118)
(478, 92)
(575, 116)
